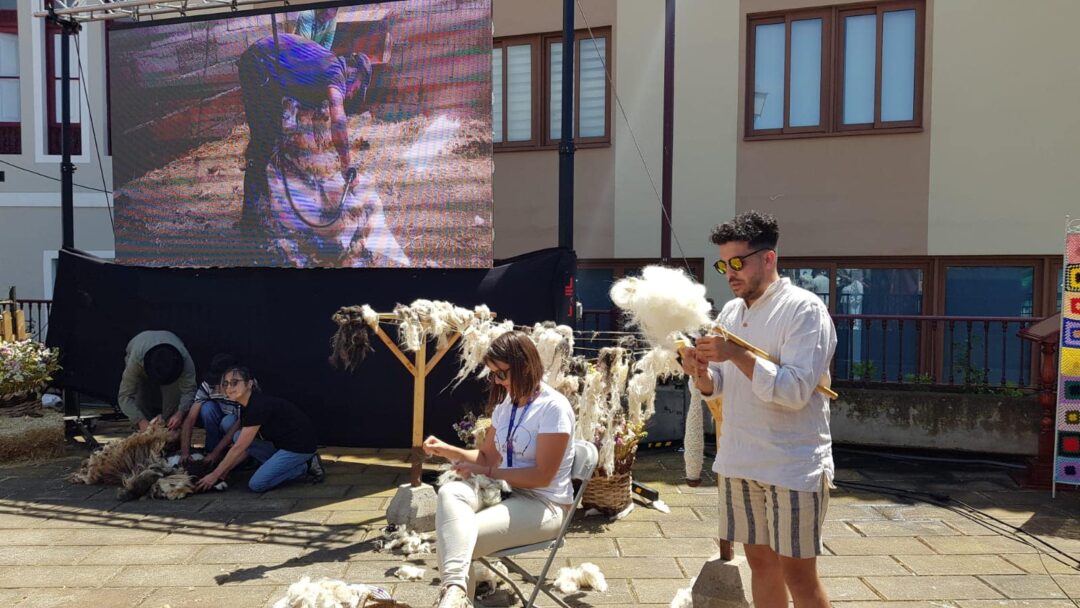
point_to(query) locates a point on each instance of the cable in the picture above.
(978, 516)
(633, 137)
(93, 130)
(46, 176)
(993, 463)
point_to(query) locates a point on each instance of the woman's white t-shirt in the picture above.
(549, 412)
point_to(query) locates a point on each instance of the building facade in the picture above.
(918, 154)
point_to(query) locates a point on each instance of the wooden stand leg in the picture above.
(419, 381)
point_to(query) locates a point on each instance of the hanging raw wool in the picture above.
(572, 381)
(352, 340)
(425, 319)
(606, 457)
(656, 365)
(555, 343)
(591, 405)
(662, 302)
(475, 341)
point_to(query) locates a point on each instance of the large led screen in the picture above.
(333, 136)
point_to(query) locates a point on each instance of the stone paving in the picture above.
(70, 545)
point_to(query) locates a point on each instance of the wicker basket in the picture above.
(21, 404)
(611, 494)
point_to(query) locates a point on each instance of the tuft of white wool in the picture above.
(480, 573)
(407, 572)
(619, 373)
(554, 343)
(655, 365)
(475, 341)
(684, 598)
(694, 435)
(606, 460)
(640, 391)
(369, 315)
(488, 490)
(662, 302)
(585, 576)
(591, 406)
(568, 386)
(406, 541)
(425, 319)
(325, 593)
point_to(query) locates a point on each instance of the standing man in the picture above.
(158, 380)
(302, 70)
(774, 464)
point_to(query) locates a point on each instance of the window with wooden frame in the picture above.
(10, 111)
(53, 84)
(527, 90)
(837, 70)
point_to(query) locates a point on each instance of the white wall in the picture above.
(706, 128)
(639, 80)
(29, 203)
(1005, 144)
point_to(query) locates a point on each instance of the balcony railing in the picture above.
(966, 352)
(37, 317)
(974, 353)
(971, 352)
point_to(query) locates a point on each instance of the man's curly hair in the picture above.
(756, 228)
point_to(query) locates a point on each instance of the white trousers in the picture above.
(465, 532)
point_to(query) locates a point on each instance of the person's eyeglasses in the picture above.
(232, 383)
(736, 263)
(500, 374)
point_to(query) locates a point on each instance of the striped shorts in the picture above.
(789, 521)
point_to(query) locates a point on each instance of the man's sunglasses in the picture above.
(232, 383)
(736, 263)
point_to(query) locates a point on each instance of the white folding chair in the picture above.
(585, 458)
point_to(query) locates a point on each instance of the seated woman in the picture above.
(530, 448)
(272, 431)
(215, 412)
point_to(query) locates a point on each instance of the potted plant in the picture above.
(26, 367)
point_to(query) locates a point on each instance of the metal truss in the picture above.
(85, 11)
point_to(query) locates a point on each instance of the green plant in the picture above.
(1011, 389)
(962, 369)
(923, 378)
(864, 370)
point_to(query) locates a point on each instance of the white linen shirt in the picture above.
(776, 427)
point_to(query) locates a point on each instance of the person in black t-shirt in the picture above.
(272, 431)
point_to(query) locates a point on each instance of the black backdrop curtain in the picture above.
(277, 321)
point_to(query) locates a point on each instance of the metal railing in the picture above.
(970, 352)
(37, 317)
(973, 353)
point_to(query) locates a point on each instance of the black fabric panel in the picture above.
(277, 321)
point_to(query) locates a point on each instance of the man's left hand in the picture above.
(175, 421)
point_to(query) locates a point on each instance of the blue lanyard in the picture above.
(510, 433)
